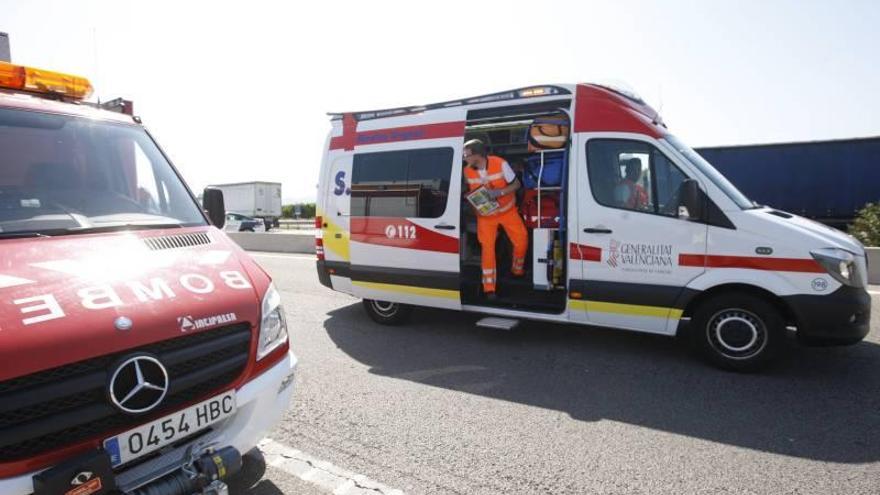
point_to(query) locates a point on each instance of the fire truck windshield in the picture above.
(62, 174)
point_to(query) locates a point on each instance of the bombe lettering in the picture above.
(46, 307)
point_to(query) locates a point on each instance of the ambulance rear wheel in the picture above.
(738, 332)
(387, 313)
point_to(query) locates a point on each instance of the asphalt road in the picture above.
(440, 406)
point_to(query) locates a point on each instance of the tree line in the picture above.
(307, 210)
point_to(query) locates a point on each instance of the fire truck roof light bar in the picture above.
(32, 80)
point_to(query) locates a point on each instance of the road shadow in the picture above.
(815, 403)
(250, 481)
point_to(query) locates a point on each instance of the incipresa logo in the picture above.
(188, 323)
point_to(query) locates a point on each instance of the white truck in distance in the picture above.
(253, 199)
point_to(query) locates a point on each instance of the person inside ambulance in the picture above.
(495, 175)
(629, 193)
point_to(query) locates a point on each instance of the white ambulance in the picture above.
(637, 232)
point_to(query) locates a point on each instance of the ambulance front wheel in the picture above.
(387, 313)
(738, 331)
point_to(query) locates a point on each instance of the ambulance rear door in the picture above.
(404, 208)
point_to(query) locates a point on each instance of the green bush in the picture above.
(307, 210)
(866, 227)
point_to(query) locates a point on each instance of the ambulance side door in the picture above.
(404, 212)
(631, 233)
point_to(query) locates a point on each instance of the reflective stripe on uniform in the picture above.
(484, 180)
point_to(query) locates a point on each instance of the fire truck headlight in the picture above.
(273, 325)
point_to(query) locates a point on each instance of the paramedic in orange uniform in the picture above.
(498, 178)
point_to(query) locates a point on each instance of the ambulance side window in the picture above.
(405, 183)
(633, 175)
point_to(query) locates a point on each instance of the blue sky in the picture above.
(237, 91)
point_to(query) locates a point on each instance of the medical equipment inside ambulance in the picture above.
(536, 145)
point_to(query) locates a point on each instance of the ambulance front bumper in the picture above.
(840, 318)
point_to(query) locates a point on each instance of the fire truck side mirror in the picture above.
(212, 201)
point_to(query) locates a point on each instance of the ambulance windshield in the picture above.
(61, 174)
(711, 173)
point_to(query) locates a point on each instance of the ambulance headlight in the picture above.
(839, 264)
(273, 325)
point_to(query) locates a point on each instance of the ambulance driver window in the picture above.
(668, 181)
(632, 175)
(406, 183)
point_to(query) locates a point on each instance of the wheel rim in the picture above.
(384, 308)
(737, 333)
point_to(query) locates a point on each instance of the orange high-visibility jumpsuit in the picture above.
(506, 216)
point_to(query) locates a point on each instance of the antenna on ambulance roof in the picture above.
(660, 97)
(5, 53)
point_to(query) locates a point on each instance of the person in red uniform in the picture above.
(493, 173)
(632, 194)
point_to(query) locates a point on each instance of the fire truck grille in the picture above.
(55, 408)
(177, 241)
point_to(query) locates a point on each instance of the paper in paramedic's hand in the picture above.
(482, 201)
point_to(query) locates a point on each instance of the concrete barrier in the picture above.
(873, 265)
(275, 242)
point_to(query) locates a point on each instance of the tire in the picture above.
(248, 229)
(387, 313)
(737, 332)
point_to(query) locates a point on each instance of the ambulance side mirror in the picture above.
(212, 202)
(692, 199)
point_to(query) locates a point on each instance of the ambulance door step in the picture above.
(498, 323)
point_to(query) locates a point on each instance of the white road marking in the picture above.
(283, 256)
(320, 473)
(874, 292)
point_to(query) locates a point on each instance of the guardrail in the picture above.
(296, 224)
(292, 242)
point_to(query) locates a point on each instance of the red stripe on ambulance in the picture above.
(351, 138)
(584, 253)
(400, 233)
(752, 263)
(600, 110)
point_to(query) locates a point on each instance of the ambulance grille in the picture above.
(60, 407)
(177, 241)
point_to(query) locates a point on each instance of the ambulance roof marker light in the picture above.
(538, 91)
(516, 94)
(32, 80)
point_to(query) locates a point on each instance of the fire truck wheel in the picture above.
(387, 313)
(738, 332)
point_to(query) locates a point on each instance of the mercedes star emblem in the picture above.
(139, 384)
(122, 323)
